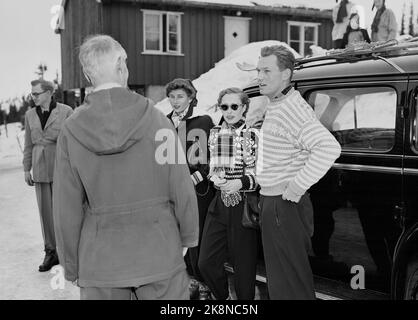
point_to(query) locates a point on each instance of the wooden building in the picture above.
(166, 39)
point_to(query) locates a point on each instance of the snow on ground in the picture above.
(21, 250)
(11, 147)
(226, 74)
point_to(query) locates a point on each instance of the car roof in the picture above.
(361, 60)
(357, 67)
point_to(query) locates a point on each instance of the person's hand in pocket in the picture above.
(289, 195)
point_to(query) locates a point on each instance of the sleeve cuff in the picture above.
(296, 189)
(293, 192)
(246, 182)
(196, 177)
(288, 194)
(190, 242)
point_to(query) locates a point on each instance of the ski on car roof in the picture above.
(376, 50)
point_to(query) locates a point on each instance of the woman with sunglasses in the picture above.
(195, 129)
(232, 169)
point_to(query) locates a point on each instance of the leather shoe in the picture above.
(50, 260)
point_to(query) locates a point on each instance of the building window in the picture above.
(301, 35)
(162, 32)
(359, 118)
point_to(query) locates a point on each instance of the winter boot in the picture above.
(50, 260)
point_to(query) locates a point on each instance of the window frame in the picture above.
(159, 13)
(414, 122)
(345, 149)
(302, 25)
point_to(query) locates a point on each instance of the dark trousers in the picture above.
(286, 229)
(224, 238)
(205, 194)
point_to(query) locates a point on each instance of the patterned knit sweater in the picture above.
(244, 154)
(295, 149)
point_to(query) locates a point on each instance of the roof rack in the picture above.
(361, 50)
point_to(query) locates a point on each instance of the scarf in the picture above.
(184, 115)
(44, 115)
(342, 11)
(178, 117)
(223, 156)
(376, 20)
(225, 147)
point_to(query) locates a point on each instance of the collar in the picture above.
(187, 113)
(284, 94)
(181, 114)
(106, 86)
(234, 126)
(52, 106)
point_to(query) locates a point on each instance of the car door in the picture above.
(405, 271)
(354, 204)
(411, 154)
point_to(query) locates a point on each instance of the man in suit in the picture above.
(42, 127)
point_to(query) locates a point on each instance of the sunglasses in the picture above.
(234, 106)
(37, 94)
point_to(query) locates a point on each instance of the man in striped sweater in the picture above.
(295, 151)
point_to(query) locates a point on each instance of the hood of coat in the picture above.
(111, 121)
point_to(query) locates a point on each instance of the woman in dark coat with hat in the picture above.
(193, 130)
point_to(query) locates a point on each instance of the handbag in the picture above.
(251, 212)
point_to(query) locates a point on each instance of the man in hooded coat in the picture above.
(124, 203)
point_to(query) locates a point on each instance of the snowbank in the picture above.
(11, 147)
(226, 74)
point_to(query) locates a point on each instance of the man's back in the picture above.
(122, 212)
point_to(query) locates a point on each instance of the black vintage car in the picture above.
(365, 244)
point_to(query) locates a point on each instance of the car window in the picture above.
(359, 118)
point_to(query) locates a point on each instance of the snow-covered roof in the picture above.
(298, 7)
(321, 4)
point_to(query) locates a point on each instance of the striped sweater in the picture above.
(295, 149)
